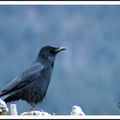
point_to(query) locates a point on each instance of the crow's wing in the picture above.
(29, 75)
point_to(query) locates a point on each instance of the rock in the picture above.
(36, 112)
(13, 109)
(76, 110)
(3, 108)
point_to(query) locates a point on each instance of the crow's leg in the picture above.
(35, 109)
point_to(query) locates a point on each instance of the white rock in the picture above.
(76, 110)
(3, 108)
(13, 109)
(36, 112)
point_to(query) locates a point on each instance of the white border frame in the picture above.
(60, 3)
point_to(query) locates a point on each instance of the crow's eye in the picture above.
(51, 51)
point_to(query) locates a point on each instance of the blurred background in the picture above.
(87, 74)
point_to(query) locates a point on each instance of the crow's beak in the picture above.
(60, 49)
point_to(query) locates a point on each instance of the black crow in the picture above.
(31, 85)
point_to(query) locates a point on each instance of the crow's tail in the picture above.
(1, 94)
(11, 98)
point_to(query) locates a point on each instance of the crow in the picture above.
(31, 85)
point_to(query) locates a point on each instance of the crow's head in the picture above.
(50, 52)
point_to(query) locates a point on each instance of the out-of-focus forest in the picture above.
(87, 74)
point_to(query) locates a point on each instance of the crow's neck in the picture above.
(46, 60)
